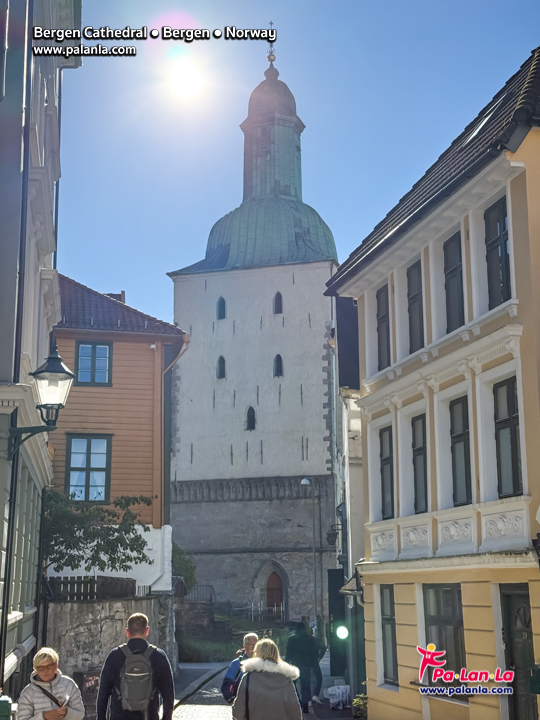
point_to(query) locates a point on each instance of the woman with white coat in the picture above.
(50, 695)
(266, 691)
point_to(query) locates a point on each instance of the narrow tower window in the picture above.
(278, 366)
(220, 368)
(221, 309)
(250, 419)
(278, 304)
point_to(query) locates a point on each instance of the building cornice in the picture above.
(22, 397)
(432, 225)
(461, 362)
(455, 562)
(250, 489)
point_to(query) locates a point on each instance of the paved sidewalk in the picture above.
(326, 712)
(206, 704)
(189, 673)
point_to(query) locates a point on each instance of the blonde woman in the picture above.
(50, 695)
(266, 691)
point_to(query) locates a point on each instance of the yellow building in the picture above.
(448, 294)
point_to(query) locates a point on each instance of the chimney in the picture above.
(121, 296)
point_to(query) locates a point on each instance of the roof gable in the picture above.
(501, 125)
(87, 309)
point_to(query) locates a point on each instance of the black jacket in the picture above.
(302, 650)
(109, 685)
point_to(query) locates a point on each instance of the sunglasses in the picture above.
(49, 666)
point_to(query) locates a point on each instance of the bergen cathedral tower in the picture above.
(252, 404)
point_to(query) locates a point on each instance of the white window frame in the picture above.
(445, 483)
(401, 305)
(405, 455)
(379, 652)
(438, 293)
(487, 453)
(371, 340)
(477, 235)
(374, 466)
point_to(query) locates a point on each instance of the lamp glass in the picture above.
(53, 388)
(342, 632)
(304, 481)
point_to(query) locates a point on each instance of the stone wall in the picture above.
(84, 632)
(240, 531)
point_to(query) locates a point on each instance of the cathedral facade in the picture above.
(253, 411)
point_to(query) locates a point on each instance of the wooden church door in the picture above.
(274, 591)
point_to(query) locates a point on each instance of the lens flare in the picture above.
(184, 78)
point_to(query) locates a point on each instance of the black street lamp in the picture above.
(53, 383)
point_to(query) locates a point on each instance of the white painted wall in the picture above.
(157, 575)
(248, 339)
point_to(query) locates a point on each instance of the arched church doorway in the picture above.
(274, 592)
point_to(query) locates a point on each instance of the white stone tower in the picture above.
(253, 410)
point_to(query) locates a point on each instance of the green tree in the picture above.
(183, 566)
(85, 534)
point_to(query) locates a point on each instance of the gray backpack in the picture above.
(136, 682)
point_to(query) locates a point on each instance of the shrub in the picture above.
(360, 706)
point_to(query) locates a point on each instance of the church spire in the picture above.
(271, 51)
(272, 160)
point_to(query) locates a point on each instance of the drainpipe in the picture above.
(57, 184)
(39, 576)
(4, 610)
(166, 485)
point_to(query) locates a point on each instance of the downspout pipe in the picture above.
(4, 610)
(57, 188)
(166, 484)
(40, 596)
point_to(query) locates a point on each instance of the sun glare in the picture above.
(185, 79)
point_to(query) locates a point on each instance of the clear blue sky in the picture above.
(382, 87)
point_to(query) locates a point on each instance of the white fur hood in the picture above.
(279, 668)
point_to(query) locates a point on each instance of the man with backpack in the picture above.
(134, 676)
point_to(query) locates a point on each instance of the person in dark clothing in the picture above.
(162, 677)
(316, 668)
(302, 651)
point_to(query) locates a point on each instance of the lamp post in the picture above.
(53, 383)
(306, 482)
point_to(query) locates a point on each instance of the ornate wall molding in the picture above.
(456, 531)
(504, 526)
(414, 537)
(249, 489)
(382, 541)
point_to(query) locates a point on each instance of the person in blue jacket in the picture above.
(232, 678)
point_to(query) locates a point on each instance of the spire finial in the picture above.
(271, 51)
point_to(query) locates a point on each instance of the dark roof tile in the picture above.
(87, 309)
(518, 103)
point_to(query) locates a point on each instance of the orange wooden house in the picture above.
(113, 437)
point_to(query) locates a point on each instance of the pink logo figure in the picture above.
(429, 658)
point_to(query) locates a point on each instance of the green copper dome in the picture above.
(272, 226)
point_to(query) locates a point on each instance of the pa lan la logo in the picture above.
(431, 657)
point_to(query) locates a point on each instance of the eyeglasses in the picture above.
(46, 668)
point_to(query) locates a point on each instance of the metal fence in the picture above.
(201, 594)
(259, 612)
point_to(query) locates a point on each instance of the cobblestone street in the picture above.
(207, 704)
